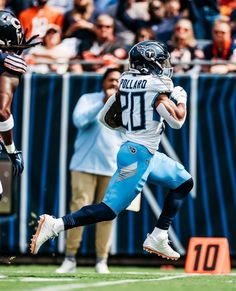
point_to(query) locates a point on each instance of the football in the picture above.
(169, 105)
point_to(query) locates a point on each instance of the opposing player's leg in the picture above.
(133, 169)
(173, 175)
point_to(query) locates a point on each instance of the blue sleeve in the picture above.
(86, 111)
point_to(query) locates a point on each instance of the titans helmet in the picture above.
(10, 29)
(150, 57)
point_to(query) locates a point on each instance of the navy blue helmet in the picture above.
(151, 57)
(10, 29)
(12, 37)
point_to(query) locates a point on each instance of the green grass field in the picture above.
(43, 278)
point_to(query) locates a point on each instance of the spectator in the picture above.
(222, 48)
(162, 26)
(203, 14)
(233, 25)
(226, 7)
(144, 33)
(36, 19)
(92, 165)
(134, 9)
(63, 5)
(78, 22)
(102, 6)
(103, 47)
(18, 5)
(183, 46)
(172, 8)
(52, 50)
(4, 5)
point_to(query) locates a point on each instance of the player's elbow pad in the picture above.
(177, 124)
(173, 123)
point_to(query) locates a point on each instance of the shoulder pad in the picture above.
(15, 64)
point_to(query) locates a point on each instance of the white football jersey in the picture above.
(138, 93)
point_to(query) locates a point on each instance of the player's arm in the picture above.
(110, 115)
(13, 64)
(8, 84)
(174, 114)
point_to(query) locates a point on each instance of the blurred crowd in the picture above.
(93, 35)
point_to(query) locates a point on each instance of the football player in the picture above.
(12, 66)
(139, 109)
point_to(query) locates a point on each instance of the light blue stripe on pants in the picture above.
(133, 168)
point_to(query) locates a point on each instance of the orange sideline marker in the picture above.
(208, 255)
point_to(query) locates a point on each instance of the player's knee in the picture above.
(109, 214)
(184, 188)
(98, 212)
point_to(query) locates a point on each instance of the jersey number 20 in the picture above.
(133, 110)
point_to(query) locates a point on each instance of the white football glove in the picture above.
(179, 94)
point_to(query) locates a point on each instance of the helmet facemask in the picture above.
(165, 68)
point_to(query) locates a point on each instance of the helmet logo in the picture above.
(148, 52)
(16, 23)
(14, 28)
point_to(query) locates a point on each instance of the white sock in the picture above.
(10, 148)
(158, 232)
(59, 225)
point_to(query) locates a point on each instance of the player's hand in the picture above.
(179, 95)
(17, 162)
(16, 159)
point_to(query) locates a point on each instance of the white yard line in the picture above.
(30, 279)
(93, 272)
(2, 276)
(166, 277)
(104, 284)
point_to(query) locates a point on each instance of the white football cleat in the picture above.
(102, 268)
(160, 246)
(67, 266)
(43, 233)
